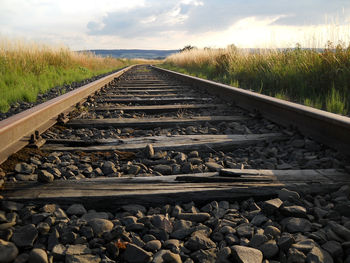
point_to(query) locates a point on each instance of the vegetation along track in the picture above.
(169, 162)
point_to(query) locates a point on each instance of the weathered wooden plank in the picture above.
(177, 142)
(112, 192)
(166, 95)
(146, 91)
(158, 101)
(146, 123)
(160, 108)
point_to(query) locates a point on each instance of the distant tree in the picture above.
(187, 48)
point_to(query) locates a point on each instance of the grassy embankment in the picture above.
(320, 79)
(27, 69)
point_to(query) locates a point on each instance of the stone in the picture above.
(340, 230)
(272, 231)
(83, 259)
(134, 208)
(163, 256)
(78, 249)
(285, 241)
(22, 258)
(149, 151)
(135, 254)
(162, 222)
(26, 177)
(318, 255)
(194, 217)
(94, 215)
(257, 240)
(295, 256)
(294, 224)
(59, 252)
(258, 220)
(285, 194)
(204, 256)
(100, 226)
(245, 230)
(163, 169)
(242, 254)
(214, 167)
(24, 168)
(45, 177)
(199, 240)
(108, 168)
(294, 211)
(76, 209)
(171, 244)
(134, 169)
(11, 206)
(25, 236)
(8, 251)
(269, 249)
(334, 248)
(180, 157)
(37, 255)
(153, 245)
(272, 205)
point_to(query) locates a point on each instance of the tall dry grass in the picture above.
(27, 69)
(318, 78)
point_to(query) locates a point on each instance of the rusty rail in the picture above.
(328, 128)
(15, 131)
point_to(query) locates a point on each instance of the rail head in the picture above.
(15, 130)
(328, 128)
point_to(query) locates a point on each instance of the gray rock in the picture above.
(134, 169)
(149, 151)
(259, 219)
(37, 255)
(285, 241)
(25, 236)
(11, 206)
(340, 230)
(76, 209)
(205, 256)
(83, 259)
(162, 222)
(294, 211)
(304, 246)
(100, 226)
(214, 167)
(243, 254)
(193, 154)
(153, 245)
(26, 177)
(318, 255)
(295, 256)
(334, 248)
(78, 249)
(135, 254)
(272, 231)
(199, 240)
(285, 194)
(45, 177)
(93, 215)
(245, 230)
(269, 249)
(166, 256)
(8, 251)
(134, 208)
(22, 258)
(24, 168)
(270, 206)
(194, 217)
(108, 168)
(180, 157)
(59, 252)
(163, 169)
(294, 224)
(171, 244)
(257, 240)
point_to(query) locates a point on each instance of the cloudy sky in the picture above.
(172, 24)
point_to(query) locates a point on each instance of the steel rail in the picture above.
(16, 130)
(328, 128)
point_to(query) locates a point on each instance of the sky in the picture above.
(172, 24)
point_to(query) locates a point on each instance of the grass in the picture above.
(27, 69)
(317, 78)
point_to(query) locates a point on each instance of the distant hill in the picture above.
(133, 53)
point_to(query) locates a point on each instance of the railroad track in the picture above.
(153, 138)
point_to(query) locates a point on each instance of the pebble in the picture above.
(45, 177)
(135, 254)
(25, 236)
(8, 251)
(100, 226)
(214, 167)
(37, 255)
(242, 254)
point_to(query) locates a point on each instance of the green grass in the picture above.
(29, 69)
(307, 76)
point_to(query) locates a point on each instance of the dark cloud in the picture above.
(159, 17)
